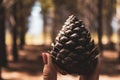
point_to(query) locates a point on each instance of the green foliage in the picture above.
(46, 4)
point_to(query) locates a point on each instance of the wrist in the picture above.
(94, 75)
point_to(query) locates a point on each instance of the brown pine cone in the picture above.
(73, 50)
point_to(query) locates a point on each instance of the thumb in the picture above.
(47, 60)
(49, 71)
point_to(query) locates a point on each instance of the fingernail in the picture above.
(44, 56)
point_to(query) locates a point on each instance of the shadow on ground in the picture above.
(29, 67)
(111, 68)
(32, 64)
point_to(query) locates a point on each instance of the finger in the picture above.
(44, 56)
(49, 71)
(48, 63)
(47, 59)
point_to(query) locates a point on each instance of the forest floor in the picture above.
(30, 65)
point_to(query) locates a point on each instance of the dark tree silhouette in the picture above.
(87, 11)
(14, 33)
(108, 12)
(45, 12)
(118, 34)
(3, 60)
(3, 56)
(100, 24)
(119, 44)
(24, 11)
(22, 24)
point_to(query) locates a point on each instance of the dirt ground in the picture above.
(30, 65)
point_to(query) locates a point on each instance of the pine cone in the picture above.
(73, 50)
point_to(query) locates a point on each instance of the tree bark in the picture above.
(110, 12)
(119, 44)
(14, 45)
(14, 34)
(3, 55)
(22, 31)
(45, 25)
(22, 38)
(100, 24)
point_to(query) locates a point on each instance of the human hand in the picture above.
(94, 75)
(49, 71)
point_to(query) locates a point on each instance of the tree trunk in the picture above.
(100, 24)
(110, 12)
(14, 34)
(3, 55)
(22, 23)
(14, 45)
(22, 32)
(44, 26)
(22, 38)
(119, 44)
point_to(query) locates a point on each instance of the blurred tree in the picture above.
(3, 56)
(23, 13)
(119, 44)
(20, 10)
(15, 8)
(46, 5)
(58, 14)
(48, 15)
(63, 9)
(21, 24)
(87, 11)
(108, 13)
(100, 26)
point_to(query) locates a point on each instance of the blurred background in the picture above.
(28, 27)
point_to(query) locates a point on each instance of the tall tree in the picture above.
(14, 32)
(24, 12)
(100, 24)
(119, 43)
(47, 6)
(3, 59)
(3, 56)
(87, 11)
(21, 24)
(108, 13)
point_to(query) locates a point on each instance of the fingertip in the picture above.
(44, 56)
